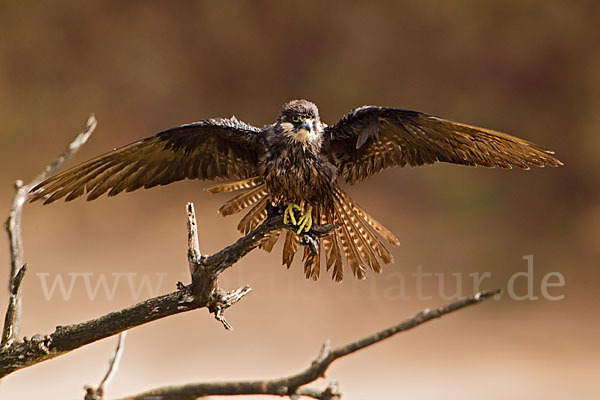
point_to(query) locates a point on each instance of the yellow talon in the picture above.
(305, 221)
(289, 213)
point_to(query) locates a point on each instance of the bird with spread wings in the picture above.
(296, 163)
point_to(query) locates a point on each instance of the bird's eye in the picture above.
(295, 119)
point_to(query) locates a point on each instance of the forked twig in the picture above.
(203, 292)
(113, 366)
(293, 385)
(13, 227)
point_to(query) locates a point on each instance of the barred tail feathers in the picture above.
(236, 185)
(356, 239)
(243, 200)
(290, 247)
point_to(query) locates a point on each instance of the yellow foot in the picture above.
(305, 221)
(289, 213)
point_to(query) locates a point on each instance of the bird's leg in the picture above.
(305, 221)
(289, 213)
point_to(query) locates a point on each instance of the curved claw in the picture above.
(305, 221)
(289, 213)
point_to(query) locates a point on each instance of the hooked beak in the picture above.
(306, 124)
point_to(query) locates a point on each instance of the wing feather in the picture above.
(210, 149)
(370, 139)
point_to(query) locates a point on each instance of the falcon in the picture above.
(297, 163)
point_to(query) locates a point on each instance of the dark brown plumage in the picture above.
(298, 160)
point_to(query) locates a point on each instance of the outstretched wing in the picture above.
(370, 139)
(215, 148)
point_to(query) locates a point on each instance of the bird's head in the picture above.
(299, 120)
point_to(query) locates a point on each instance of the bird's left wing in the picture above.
(370, 139)
(209, 149)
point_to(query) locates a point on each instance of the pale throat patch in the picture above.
(302, 135)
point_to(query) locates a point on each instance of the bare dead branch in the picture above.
(114, 362)
(12, 318)
(292, 385)
(331, 392)
(226, 300)
(113, 365)
(202, 292)
(13, 228)
(194, 254)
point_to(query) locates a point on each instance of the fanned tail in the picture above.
(360, 239)
(355, 240)
(359, 217)
(379, 228)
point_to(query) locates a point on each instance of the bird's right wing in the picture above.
(209, 149)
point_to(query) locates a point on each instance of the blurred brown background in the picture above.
(530, 68)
